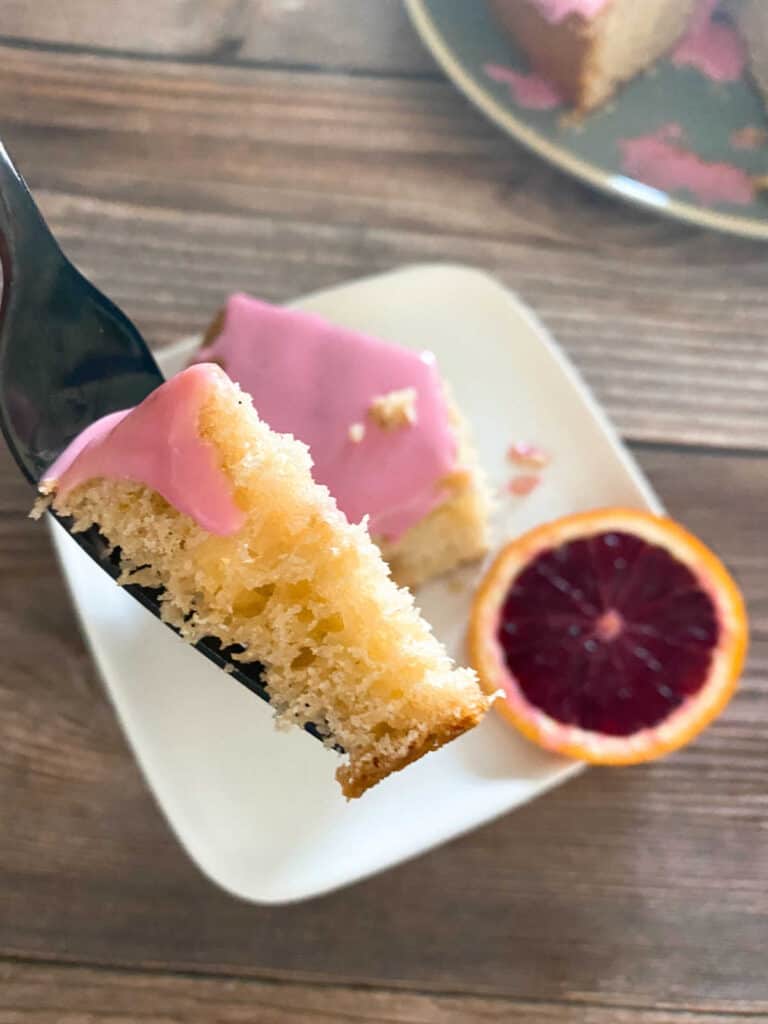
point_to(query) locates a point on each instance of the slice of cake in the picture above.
(588, 48)
(752, 18)
(205, 501)
(384, 435)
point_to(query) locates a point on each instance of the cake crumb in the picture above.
(523, 453)
(394, 410)
(41, 505)
(356, 432)
(751, 136)
(456, 586)
(573, 119)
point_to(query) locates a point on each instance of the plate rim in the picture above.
(560, 156)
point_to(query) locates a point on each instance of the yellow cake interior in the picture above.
(299, 589)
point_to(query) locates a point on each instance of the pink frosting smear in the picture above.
(558, 10)
(315, 381)
(157, 443)
(523, 485)
(661, 161)
(712, 47)
(530, 90)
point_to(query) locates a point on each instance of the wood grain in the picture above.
(205, 147)
(172, 186)
(32, 994)
(623, 888)
(355, 35)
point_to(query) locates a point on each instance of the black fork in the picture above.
(68, 355)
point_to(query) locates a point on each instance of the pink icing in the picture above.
(712, 47)
(558, 10)
(661, 161)
(523, 485)
(530, 90)
(702, 14)
(158, 444)
(314, 380)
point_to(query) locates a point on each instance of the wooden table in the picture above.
(182, 150)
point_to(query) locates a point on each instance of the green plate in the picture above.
(693, 118)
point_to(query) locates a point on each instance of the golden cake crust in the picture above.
(589, 58)
(355, 780)
(562, 52)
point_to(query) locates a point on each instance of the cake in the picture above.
(588, 48)
(205, 501)
(752, 18)
(385, 436)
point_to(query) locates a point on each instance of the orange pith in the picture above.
(692, 714)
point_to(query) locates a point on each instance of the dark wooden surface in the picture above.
(281, 147)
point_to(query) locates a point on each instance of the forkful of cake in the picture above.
(207, 511)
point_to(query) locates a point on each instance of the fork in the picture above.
(68, 356)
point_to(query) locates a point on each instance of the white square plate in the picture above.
(258, 810)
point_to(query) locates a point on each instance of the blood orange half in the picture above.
(616, 636)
